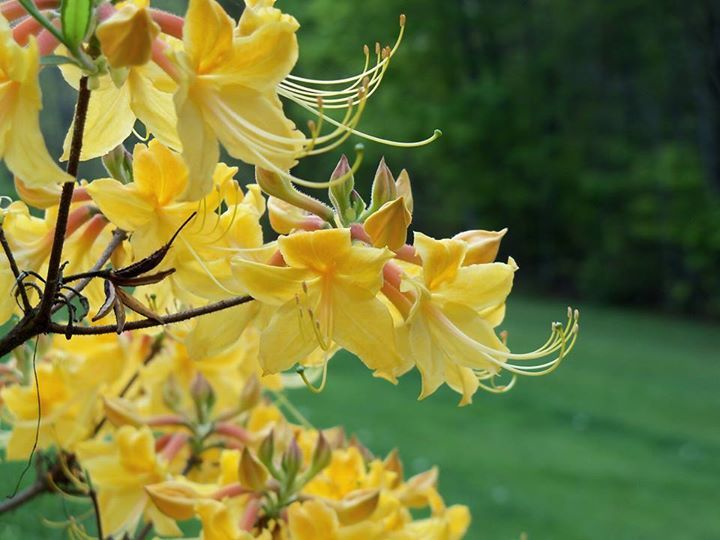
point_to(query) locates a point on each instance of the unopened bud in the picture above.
(321, 455)
(251, 393)
(121, 412)
(340, 193)
(251, 473)
(286, 218)
(126, 37)
(418, 487)
(383, 188)
(292, 460)
(483, 246)
(171, 393)
(404, 189)
(279, 186)
(118, 164)
(388, 226)
(202, 395)
(393, 464)
(266, 452)
(173, 499)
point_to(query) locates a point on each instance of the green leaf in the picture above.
(75, 18)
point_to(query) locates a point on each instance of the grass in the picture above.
(622, 442)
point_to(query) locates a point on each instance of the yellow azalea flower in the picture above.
(66, 414)
(327, 293)
(227, 89)
(21, 142)
(146, 94)
(449, 330)
(452, 524)
(126, 37)
(313, 520)
(119, 471)
(220, 522)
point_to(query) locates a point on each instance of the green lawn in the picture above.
(622, 442)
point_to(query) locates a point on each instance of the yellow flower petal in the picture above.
(269, 284)
(441, 259)
(207, 34)
(317, 250)
(109, 119)
(288, 338)
(478, 286)
(121, 204)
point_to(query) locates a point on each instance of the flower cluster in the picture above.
(164, 437)
(184, 321)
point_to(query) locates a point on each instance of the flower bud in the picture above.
(393, 464)
(286, 218)
(121, 412)
(202, 395)
(173, 499)
(483, 246)
(171, 393)
(402, 184)
(126, 37)
(251, 393)
(251, 473)
(266, 451)
(383, 188)
(340, 193)
(118, 164)
(292, 460)
(321, 455)
(388, 226)
(278, 186)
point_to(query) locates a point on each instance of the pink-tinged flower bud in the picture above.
(340, 193)
(278, 186)
(173, 499)
(292, 460)
(251, 473)
(126, 37)
(286, 218)
(483, 246)
(383, 188)
(202, 395)
(388, 226)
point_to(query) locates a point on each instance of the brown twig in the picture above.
(148, 323)
(52, 280)
(85, 277)
(96, 507)
(38, 487)
(36, 320)
(15, 270)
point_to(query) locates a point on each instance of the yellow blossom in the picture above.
(327, 293)
(227, 89)
(21, 142)
(449, 330)
(119, 470)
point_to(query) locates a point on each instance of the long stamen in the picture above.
(563, 339)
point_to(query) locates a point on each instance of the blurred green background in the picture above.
(592, 131)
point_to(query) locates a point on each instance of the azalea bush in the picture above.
(153, 331)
